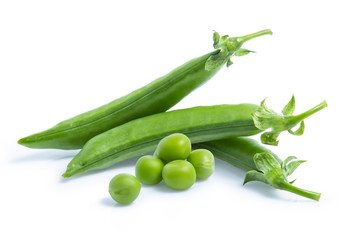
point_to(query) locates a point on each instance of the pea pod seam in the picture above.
(186, 78)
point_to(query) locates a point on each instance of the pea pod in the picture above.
(156, 97)
(260, 163)
(200, 124)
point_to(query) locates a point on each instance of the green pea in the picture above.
(179, 174)
(124, 188)
(203, 162)
(148, 170)
(173, 147)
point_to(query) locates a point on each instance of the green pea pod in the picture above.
(260, 163)
(141, 136)
(158, 96)
(200, 124)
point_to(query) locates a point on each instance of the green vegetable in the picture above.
(265, 118)
(156, 97)
(179, 174)
(260, 163)
(148, 170)
(173, 147)
(200, 124)
(124, 188)
(141, 136)
(203, 162)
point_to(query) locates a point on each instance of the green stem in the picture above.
(245, 38)
(308, 113)
(299, 191)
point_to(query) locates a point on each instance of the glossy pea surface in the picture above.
(124, 188)
(148, 170)
(173, 147)
(203, 162)
(179, 174)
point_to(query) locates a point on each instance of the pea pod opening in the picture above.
(200, 124)
(158, 96)
(260, 163)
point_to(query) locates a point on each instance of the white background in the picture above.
(61, 58)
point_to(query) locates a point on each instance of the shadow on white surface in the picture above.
(262, 189)
(109, 202)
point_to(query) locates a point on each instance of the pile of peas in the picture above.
(174, 162)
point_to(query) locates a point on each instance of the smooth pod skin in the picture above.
(260, 163)
(124, 188)
(238, 151)
(203, 163)
(141, 136)
(179, 174)
(173, 147)
(148, 170)
(158, 96)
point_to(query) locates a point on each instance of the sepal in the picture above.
(270, 171)
(216, 38)
(270, 138)
(254, 175)
(229, 63)
(299, 131)
(215, 61)
(270, 167)
(290, 107)
(287, 160)
(265, 118)
(229, 46)
(292, 182)
(290, 166)
(242, 52)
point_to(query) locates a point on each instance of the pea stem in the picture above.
(310, 112)
(254, 35)
(299, 191)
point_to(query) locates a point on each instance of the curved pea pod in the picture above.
(200, 124)
(141, 136)
(158, 96)
(260, 163)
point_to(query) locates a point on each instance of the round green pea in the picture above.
(173, 147)
(203, 162)
(179, 174)
(148, 170)
(124, 188)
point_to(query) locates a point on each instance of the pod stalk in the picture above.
(310, 112)
(299, 191)
(245, 38)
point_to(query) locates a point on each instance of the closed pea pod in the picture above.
(200, 124)
(260, 163)
(158, 96)
(141, 136)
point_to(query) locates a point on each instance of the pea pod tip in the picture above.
(23, 141)
(66, 175)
